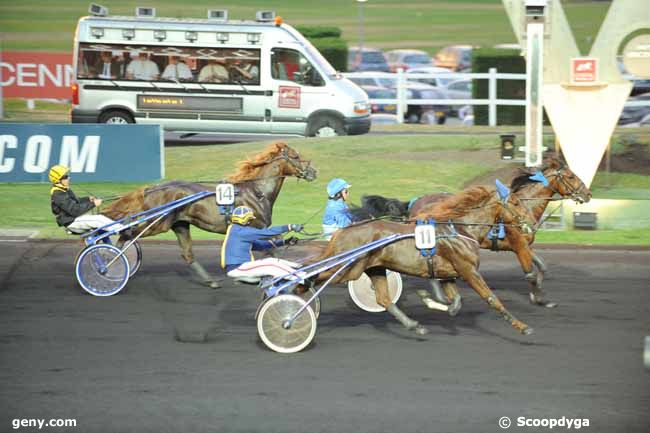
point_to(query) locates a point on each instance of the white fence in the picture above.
(492, 101)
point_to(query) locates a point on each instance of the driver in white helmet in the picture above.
(70, 211)
(337, 213)
(242, 239)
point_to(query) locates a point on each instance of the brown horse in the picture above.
(258, 181)
(561, 180)
(457, 255)
(536, 195)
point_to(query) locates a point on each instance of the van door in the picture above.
(298, 90)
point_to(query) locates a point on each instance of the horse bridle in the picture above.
(574, 193)
(302, 170)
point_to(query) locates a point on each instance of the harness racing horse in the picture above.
(258, 181)
(457, 255)
(536, 191)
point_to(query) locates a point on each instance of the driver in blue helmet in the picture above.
(241, 240)
(337, 213)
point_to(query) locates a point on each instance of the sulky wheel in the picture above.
(102, 270)
(314, 305)
(134, 255)
(363, 293)
(272, 327)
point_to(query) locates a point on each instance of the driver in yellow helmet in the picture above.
(69, 209)
(241, 239)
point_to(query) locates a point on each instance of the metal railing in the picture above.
(492, 101)
(402, 101)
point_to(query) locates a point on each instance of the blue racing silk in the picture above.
(241, 241)
(337, 215)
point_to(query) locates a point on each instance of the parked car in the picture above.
(459, 89)
(379, 79)
(640, 87)
(407, 59)
(368, 59)
(455, 57)
(413, 75)
(383, 119)
(635, 115)
(426, 113)
(375, 92)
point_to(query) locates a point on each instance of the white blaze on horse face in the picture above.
(584, 117)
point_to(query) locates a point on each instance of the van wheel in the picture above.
(326, 126)
(116, 117)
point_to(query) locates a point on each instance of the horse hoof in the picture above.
(421, 330)
(454, 308)
(213, 285)
(527, 331)
(531, 277)
(542, 302)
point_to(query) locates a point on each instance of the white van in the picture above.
(207, 75)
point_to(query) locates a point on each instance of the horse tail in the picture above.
(128, 204)
(378, 206)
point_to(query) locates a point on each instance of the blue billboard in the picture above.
(94, 153)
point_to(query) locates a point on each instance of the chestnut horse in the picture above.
(457, 255)
(258, 181)
(535, 193)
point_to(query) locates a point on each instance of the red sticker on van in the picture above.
(289, 97)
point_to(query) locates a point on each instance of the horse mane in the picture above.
(522, 179)
(250, 168)
(458, 205)
(377, 206)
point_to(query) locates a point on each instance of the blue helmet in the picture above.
(336, 186)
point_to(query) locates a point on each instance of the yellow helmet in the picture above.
(242, 215)
(57, 172)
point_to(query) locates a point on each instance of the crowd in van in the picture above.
(179, 64)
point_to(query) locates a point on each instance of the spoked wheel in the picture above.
(134, 255)
(362, 291)
(314, 305)
(100, 271)
(271, 323)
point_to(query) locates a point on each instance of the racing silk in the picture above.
(66, 206)
(337, 215)
(241, 241)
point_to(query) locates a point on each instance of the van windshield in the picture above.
(321, 63)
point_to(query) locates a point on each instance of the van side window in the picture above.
(168, 63)
(290, 65)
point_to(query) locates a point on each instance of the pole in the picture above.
(2, 101)
(361, 2)
(534, 71)
(492, 95)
